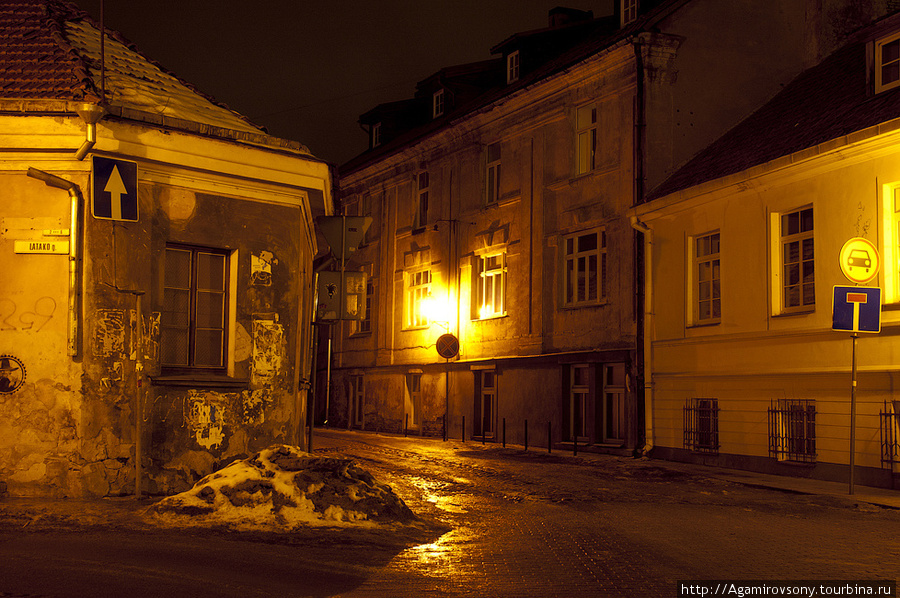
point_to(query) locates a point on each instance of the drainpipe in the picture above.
(91, 115)
(647, 233)
(74, 225)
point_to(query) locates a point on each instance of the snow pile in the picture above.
(282, 488)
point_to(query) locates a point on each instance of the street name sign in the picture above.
(856, 309)
(45, 247)
(114, 189)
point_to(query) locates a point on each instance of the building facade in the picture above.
(158, 250)
(500, 196)
(746, 251)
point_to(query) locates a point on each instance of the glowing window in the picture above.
(490, 286)
(418, 293)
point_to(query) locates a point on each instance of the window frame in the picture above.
(570, 286)
(629, 10)
(194, 290)
(614, 403)
(376, 134)
(714, 259)
(420, 213)
(801, 237)
(701, 425)
(880, 65)
(792, 430)
(486, 395)
(488, 277)
(586, 136)
(363, 326)
(581, 397)
(357, 400)
(513, 66)
(418, 288)
(438, 103)
(492, 162)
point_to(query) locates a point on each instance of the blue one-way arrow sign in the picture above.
(114, 189)
(857, 309)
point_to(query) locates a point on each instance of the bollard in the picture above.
(526, 434)
(504, 432)
(464, 429)
(549, 438)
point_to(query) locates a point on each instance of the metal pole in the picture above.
(328, 376)
(464, 429)
(313, 388)
(526, 434)
(139, 409)
(504, 432)
(549, 438)
(446, 397)
(854, 336)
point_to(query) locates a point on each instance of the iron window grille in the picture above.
(701, 425)
(890, 436)
(792, 430)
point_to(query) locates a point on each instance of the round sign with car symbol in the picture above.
(859, 260)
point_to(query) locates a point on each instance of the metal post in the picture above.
(328, 376)
(446, 398)
(854, 336)
(526, 434)
(464, 429)
(313, 388)
(483, 433)
(139, 403)
(406, 426)
(549, 438)
(504, 432)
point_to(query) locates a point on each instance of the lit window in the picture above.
(707, 274)
(585, 268)
(887, 63)
(490, 286)
(629, 11)
(420, 218)
(418, 293)
(437, 103)
(492, 174)
(798, 283)
(512, 67)
(195, 304)
(586, 138)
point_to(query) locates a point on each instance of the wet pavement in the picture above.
(501, 522)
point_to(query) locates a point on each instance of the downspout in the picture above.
(647, 348)
(74, 226)
(91, 115)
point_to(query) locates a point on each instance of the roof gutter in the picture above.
(91, 115)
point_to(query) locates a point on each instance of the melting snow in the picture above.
(281, 488)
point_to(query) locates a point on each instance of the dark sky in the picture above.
(306, 69)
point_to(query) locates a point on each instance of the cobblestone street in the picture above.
(538, 524)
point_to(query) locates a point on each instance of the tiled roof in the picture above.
(50, 50)
(826, 102)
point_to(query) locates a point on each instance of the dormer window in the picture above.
(512, 67)
(437, 104)
(887, 63)
(376, 134)
(629, 11)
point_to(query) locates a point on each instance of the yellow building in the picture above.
(157, 250)
(499, 196)
(743, 254)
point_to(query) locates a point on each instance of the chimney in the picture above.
(561, 16)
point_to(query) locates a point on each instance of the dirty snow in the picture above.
(281, 488)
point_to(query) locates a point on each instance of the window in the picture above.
(418, 291)
(413, 399)
(357, 400)
(512, 67)
(490, 286)
(485, 403)
(364, 325)
(420, 218)
(579, 401)
(629, 11)
(586, 138)
(707, 274)
(798, 260)
(792, 430)
(614, 403)
(701, 425)
(437, 103)
(887, 63)
(890, 435)
(585, 268)
(492, 174)
(195, 304)
(376, 134)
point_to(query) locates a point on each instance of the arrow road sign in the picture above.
(115, 189)
(857, 309)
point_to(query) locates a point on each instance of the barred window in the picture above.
(701, 425)
(792, 430)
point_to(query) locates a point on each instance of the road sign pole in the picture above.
(854, 336)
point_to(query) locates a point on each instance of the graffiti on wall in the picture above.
(33, 318)
(261, 268)
(206, 419)
(108, 337)
(268, 339)
(12, 374)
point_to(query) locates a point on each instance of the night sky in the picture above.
(306, 70)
